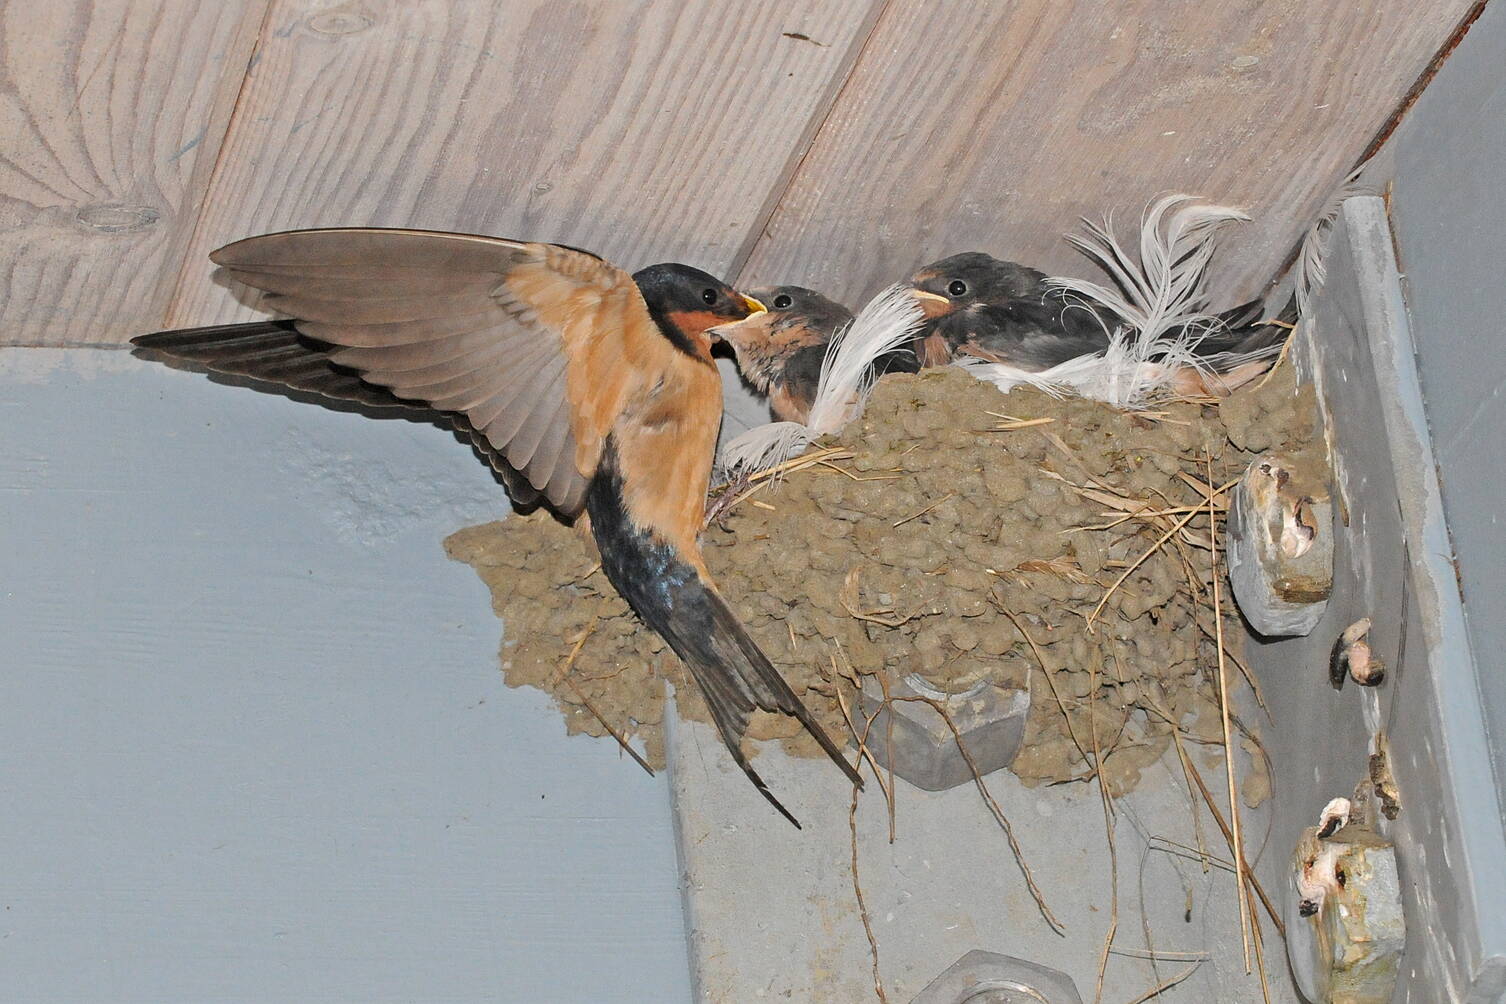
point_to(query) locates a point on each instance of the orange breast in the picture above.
(666, 441)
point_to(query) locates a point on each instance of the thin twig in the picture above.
(1136, 564)
(1223, 700)
(1177, 849)
(1140, 953)
(1050, 682)
(857, 888)
(1218, 818)
(889, 751)
(588, 573)
(882, 616)
(1190, 852)
(1241, 665)
(804, 460)
(930, 508)
(564, 674)
(1259, 939)
(864, 753)
(852, 826)
(1197, 817)
(1166, 985)
(1108, 827)
(611, 731)
(1012, 425)
(998, 813)
(853, 477)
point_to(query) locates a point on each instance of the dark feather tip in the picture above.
(1338, 664)
(764, 790)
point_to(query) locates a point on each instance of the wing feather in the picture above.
(510, 421)
(442, 348)
(411, 371)
(385, 335)
(534, 348)
(544, 461)
(372, 308)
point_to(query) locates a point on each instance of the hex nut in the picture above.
(981, 977)
(991, 721)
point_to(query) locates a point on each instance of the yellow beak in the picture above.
(932, 304)
(754, 307)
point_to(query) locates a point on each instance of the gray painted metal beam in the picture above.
(1452, 851)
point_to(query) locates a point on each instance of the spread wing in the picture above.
(536, 347)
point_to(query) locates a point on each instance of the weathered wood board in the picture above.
(645, 131)
(994, 126)
(833, 143)
(111, 116)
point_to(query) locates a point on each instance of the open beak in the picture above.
(755, 326)
(931, 304)
(754, 306)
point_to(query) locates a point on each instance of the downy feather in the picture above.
(1312, 268)
(762, 447)
(888, 321)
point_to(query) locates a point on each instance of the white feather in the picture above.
(1161, 290)
(888, 321)
(1007, 378)
(762, 447)
(1119, 375)
(1165, 288)
(1312, 269)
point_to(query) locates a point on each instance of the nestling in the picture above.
(999, 311)
(781, 352)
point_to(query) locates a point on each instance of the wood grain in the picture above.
(112, 114)
(642, 131)
(994, 126)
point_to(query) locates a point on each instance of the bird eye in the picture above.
(710, 296)
(782, 301)
(957, 288)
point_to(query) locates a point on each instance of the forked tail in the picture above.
(674, 599)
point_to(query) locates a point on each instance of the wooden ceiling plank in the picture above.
(112, 113)
(644, 132)
(994, 126)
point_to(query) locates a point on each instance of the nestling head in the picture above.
(797, 318)
(964, 280)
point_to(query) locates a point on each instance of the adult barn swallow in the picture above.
(781, 351)
(999, 311)
(588, 389)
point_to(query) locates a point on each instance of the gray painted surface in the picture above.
(1449, 158)
(773, 915)
(255, 740)
(1451, 848)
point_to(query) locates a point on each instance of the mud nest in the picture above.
(930, 538)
